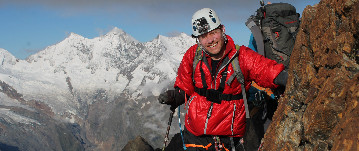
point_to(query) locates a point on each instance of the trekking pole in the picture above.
(168, 129)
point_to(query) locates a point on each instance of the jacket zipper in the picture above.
(234, 113)
(208, 116)
(215, 86)
(189, 103)
(230, 60)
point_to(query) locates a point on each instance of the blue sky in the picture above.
(29, 26)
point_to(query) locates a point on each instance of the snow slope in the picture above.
(114, 63)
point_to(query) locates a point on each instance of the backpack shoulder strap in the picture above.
(257, 34)
(237, 70)
(197, 57)
(239, 75)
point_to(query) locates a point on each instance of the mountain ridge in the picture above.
(87, 84)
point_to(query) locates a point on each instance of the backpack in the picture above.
(274, 28)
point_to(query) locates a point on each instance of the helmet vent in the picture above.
(202, 25)
(212, 17)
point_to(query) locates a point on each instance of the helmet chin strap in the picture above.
(225, 38)
(205, 50)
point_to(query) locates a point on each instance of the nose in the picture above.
(211, 39)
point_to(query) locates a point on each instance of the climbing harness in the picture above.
(217, 142)
(218, 145)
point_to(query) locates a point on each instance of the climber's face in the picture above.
(213, 42)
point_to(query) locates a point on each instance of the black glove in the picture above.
(281, 79)
(172, 97)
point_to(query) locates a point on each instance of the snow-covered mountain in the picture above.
(79, 80)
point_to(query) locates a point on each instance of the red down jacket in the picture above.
(228, 117)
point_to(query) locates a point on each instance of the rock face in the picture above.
(320, 108)
(138, 144)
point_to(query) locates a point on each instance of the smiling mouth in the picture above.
(213, 45)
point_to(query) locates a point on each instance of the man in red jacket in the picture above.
(215, 106)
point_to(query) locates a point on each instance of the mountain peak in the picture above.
(74, 36)
(6, 56)
(5, 53)
(116, 31)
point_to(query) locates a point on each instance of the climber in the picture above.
(216, 114)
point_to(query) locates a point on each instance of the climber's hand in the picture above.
(167, 97)
(172, 97)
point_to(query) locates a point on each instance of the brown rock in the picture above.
(320, 108)
(138, 144)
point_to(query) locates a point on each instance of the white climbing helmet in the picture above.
(203, 21)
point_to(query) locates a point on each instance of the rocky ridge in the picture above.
(320, 108)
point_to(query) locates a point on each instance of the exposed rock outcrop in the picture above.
(320, 108)
(138, 144)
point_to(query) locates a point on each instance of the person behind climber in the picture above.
(216, 113)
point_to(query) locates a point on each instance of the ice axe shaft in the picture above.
(168, 130)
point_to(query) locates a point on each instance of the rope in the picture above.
(194, 145)
(179, 122)
(260, 146)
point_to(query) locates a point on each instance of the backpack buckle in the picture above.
(214, 96)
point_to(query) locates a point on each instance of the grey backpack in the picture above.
(274, 28)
